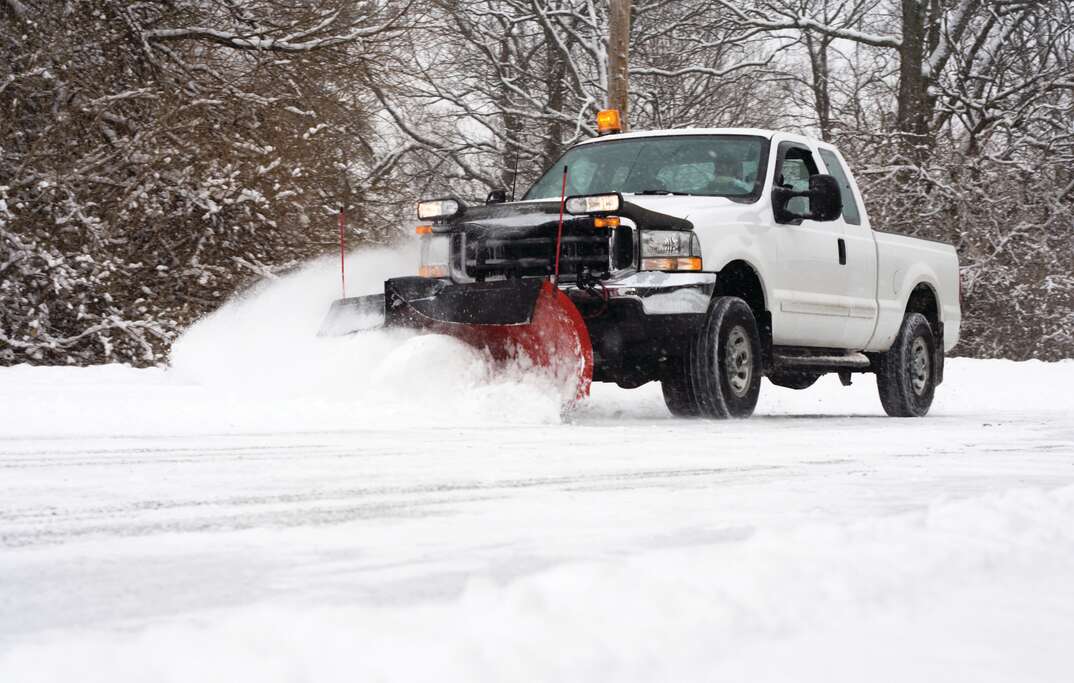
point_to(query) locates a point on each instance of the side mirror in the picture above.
(825, 201)
(496, 197)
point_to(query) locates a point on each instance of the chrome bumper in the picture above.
(665, 293)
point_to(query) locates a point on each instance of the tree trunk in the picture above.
(512, 127)
(912, 117)
(818, 61)
(618, 49)
(555, 82)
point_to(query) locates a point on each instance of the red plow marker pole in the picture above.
(342, 251)
(559, 330)
(559, 231)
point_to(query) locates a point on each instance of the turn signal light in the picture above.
(681, 263)
(433, 271)
(609, 121)
(606, 222)
(424, 230)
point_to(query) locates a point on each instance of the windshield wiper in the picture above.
(681, 194)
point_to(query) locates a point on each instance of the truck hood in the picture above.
(647, 211)
(676, 206)
(681, 206)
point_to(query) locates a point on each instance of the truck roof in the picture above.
(759, 132)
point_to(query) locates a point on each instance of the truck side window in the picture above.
(850, 205)
(795, 166)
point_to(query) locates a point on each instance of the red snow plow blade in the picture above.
(555, 338)
(512, 319)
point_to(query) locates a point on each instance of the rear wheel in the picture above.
(906, 377)
(721, 370)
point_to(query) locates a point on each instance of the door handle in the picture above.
(842, 252)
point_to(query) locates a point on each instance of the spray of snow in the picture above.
(260, 353)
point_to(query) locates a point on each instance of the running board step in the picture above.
(833, 361)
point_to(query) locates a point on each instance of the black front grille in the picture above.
(514, 252)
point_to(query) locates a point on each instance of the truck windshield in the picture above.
(711, 165)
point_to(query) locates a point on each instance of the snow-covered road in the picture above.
(407, 517)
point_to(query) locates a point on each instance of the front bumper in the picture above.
(665, 293)
(645, 324)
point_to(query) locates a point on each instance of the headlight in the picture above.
(594, 203)
(670, 250)
(435, 256)
(438, 208)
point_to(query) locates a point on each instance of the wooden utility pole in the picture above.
(618, 49)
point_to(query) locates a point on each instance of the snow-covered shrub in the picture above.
(150, 166)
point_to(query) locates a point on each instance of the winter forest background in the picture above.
(156, 156)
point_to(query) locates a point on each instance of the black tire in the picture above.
(721, 370)
(721, 388)
(793, 380)
(906, 376)
(678, 396)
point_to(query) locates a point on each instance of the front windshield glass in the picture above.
(713, 165)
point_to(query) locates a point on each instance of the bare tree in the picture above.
(618, 55)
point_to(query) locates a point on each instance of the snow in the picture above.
(277, 507)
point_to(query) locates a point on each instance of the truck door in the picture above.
(810, 284)
(860, 257)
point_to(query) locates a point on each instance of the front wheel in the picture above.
(906, 377)
(721, 368)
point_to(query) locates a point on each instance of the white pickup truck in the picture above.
(825, 293)
(705, 259)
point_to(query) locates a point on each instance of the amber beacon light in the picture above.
(609, 121)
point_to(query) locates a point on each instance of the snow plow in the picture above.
(527, 318)
(536, 282)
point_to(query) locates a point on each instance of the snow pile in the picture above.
(981, 585)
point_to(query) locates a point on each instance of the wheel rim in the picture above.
(738, 361)
(919, 365)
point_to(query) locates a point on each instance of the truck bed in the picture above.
(902, 263)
